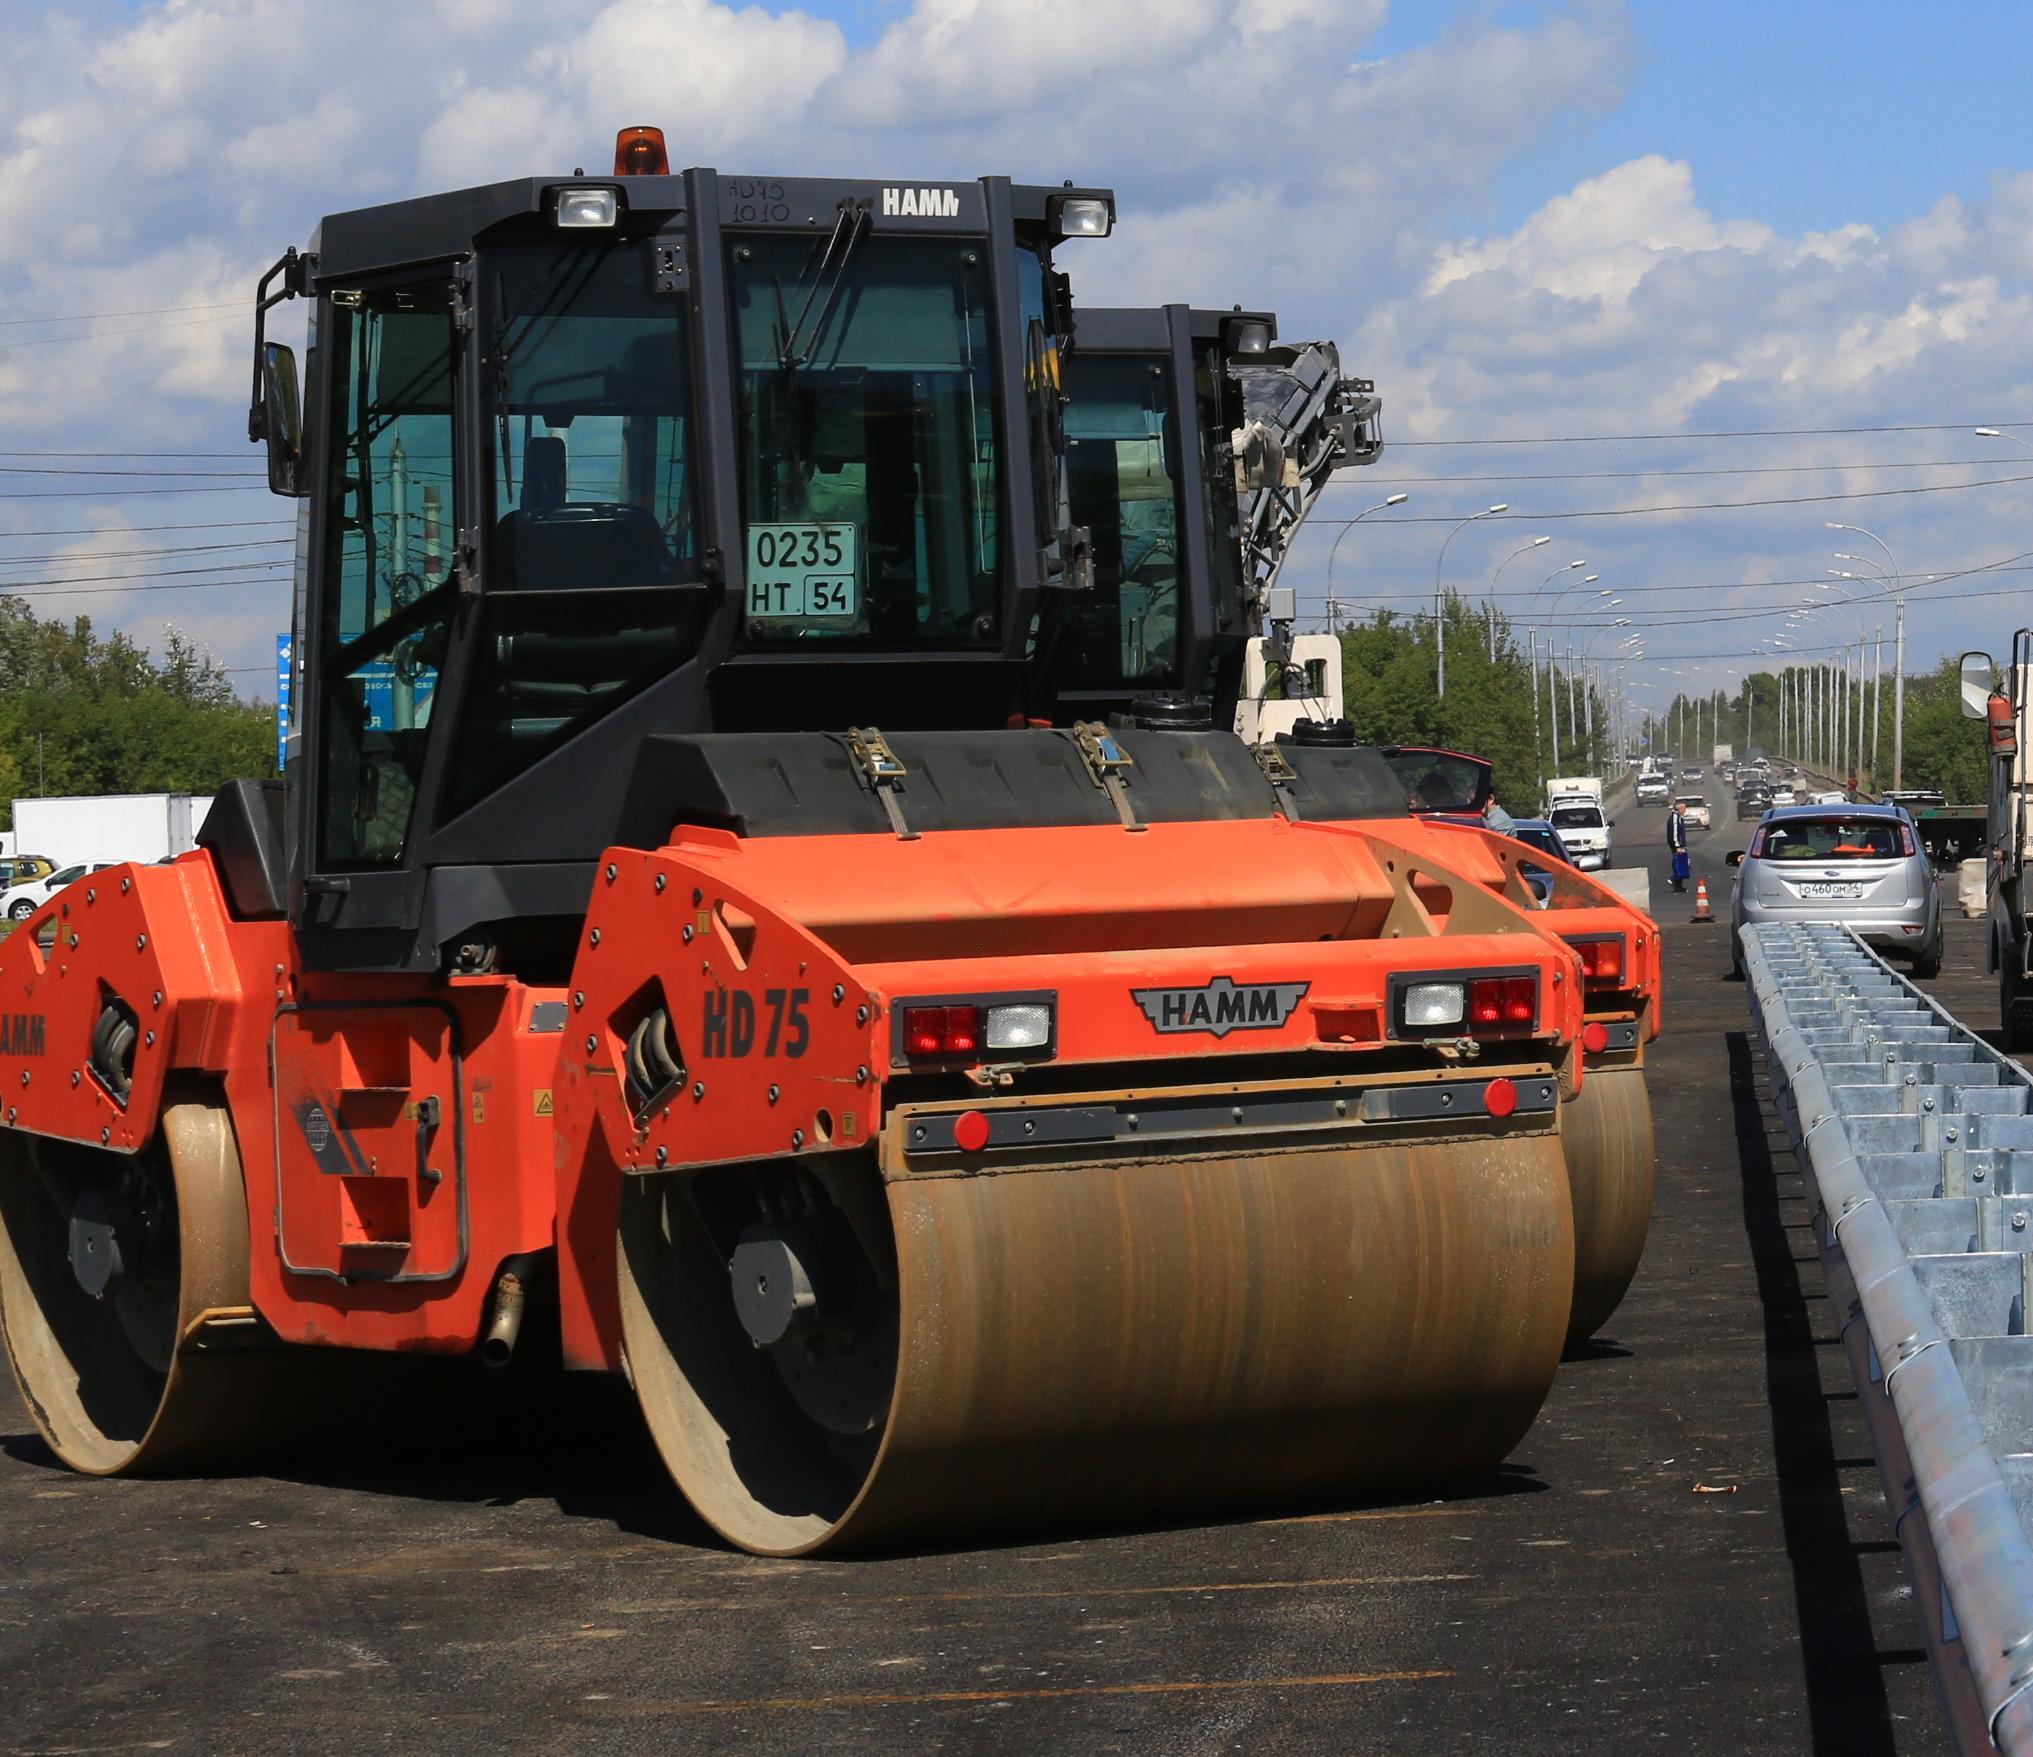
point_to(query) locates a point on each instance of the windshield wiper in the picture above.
(848, 231)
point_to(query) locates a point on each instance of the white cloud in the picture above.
(161, 156)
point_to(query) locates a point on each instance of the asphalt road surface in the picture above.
(1689, 1551)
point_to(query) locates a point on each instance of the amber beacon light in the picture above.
(639, 152)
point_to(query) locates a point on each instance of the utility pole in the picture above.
(1899, 696)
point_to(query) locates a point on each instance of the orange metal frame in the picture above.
(402, 1138)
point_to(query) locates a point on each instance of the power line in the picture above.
(5, 453)
(1625, 512)
(124, 530)
(207, 475)
(1367, 481)
(106, 335)
(1722, 433)
(124, 493)
(145, 311)
(136, 554)
(62, 582)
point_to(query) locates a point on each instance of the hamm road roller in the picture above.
(1188, 539)
(699, 896)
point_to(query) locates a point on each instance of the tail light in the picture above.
(942, 1030)
(1906, 843)
(1481, 1006)
(1602, 960)
(1502, 1002)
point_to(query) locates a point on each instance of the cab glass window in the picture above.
(870, 467)
(1122, 478)
(593, 584)
(390, 518)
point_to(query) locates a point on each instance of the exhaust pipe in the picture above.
(510, 1295)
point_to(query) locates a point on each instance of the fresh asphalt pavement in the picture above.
(1689, 1550)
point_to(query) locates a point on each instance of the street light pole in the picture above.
(1439, 606)
(1898, 651)
(1522, 549)
(1387, 501)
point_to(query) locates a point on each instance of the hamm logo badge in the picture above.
(1221, 1007)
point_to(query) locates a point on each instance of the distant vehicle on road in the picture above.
(1861, 866)
(19, 902)
(1584, 829)
(18, 869)
(1754, 799)
(1537, 832)
(1654, 789)
(1692, 772)
(1697, 809)
(1785, 793)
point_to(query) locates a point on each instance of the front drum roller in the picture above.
(123, 1295)
(1608, 1131)
(1106, 1340)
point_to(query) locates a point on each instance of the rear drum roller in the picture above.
(1122, 1339)
(109, 1266)
(1608, 1135)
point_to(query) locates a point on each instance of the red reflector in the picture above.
(639, 152)
(970, 1131)
(1500, 1097)
(1595, 1038)
(942, 1031)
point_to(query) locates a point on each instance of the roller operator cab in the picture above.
(710, 893)
(583, 460)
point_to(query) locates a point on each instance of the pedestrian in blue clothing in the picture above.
(1676, 841)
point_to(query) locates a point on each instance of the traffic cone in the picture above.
(1701, 909)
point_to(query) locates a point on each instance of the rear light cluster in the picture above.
(960, 1030)
(1602, 960)
(1503, 1000)
(1484, 1004)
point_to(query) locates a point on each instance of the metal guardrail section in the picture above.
(1916, 1142)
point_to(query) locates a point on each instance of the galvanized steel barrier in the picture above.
(1916, 1142)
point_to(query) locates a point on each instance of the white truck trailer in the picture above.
(111, 826)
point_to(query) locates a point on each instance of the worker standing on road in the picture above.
(1676, 841)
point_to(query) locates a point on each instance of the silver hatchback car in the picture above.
(1860, 865)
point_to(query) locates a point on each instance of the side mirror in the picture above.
(1977, 672)
(279, 419)
(1610, 824)
(1735, 857)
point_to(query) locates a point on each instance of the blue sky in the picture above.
(1529, 222)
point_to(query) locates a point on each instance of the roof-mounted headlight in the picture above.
(1081, 216)
(1246, 336)
(588, 207)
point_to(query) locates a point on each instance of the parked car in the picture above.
(1754, 799)
(1861, 866)
(1697, 809)
(18, 869)
(19, 902)
(1539, 834)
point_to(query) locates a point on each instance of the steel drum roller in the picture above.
(1128, 1339)
(126, 1382)
(1608, 1132)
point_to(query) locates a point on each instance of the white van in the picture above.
(1582, 826)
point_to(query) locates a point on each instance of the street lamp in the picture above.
(1898, 650)
(1522, 549)
(1387, 501)
(1439, 609)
